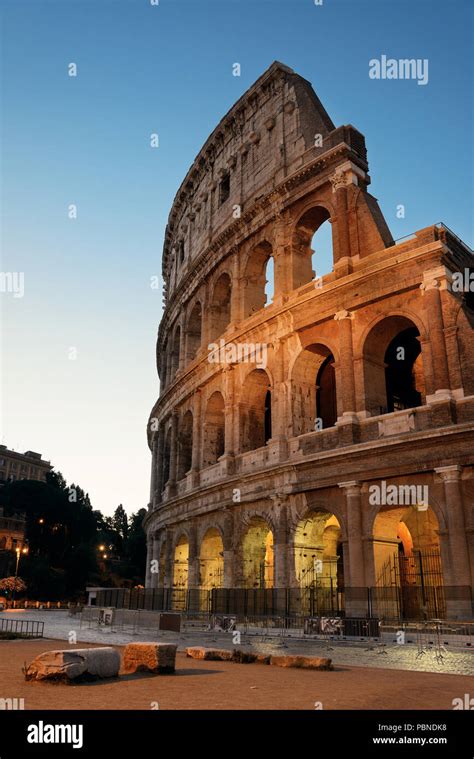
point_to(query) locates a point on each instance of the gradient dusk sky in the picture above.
(85, 140)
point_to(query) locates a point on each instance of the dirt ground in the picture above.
(224, 685)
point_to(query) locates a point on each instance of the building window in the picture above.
(224, 188)
(181, 251)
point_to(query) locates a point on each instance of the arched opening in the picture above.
(185, 444)
(318, 552)
(175, 351)
(322, 258)
(167, 458)
(326, 405)
(193, 332)
(220, 307)
(163, 360)
(313, 389)
(257, 550)
(407, 558)
(393, 367)
(404, 371)
(258, 279)
(214, 430)
(256, 411)
(211, 560)
(180, 573)
(307, 258)
(269, 281)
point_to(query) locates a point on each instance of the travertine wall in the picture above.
(237, 443)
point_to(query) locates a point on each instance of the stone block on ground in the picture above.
(149, 657)
(211, 654)
(302, 662)
(74, 664)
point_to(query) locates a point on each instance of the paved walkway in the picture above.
(60, 626)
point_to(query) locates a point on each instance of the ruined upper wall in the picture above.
(268, 134)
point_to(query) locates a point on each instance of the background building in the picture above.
(327, 446)
(22, 466)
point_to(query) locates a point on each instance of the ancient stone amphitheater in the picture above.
(312, 443)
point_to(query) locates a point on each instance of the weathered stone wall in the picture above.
(236, 443)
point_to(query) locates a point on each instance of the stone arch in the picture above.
(319, 552)
(311, 217)
(257, 554)
(408, 558)
(254, 281)
(219, 306)
(255, 410)
(175, 351)
(313, 389)
(214, 429)
(181, 561)
(185, 444)
(211, 559)
(394, 375)
(193, 338)
(162, 362)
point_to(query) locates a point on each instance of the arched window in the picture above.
(193, 332)
(258, 279)
(220, 307)
(214, 430)
(402, 372)
(167, 458)
(322, 260)
(256, 411)
(393, 367)
(185, 444)
(313, 390)
(175, 352)
(326, 405)
(312, 246)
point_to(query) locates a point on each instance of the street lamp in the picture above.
(18, 552)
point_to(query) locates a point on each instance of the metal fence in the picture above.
(27, 628)
(387, 603)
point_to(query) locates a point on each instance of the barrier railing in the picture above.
(27, 628)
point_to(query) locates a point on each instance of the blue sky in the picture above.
(85, 140)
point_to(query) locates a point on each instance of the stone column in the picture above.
(346, 383)
(154, 461)
(280, 540)
(454, 363)
(159, 464)
(228, 541)
(229, 410)
(193, 559)
(356, 592)
(282, 259)
(434, 317)
(173, 450)
(197, 427)
(155, 576)
(342, 178)
(169, 559)
(458, 601)
(149, 555)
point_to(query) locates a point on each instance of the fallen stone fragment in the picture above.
(302, 662)
(243, 657)
(149, 657)
(211, 654)
(74, 664)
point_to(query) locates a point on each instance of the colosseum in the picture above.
(312, 443)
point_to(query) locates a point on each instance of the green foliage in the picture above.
(64, 534)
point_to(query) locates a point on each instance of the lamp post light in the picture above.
(18, 552)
